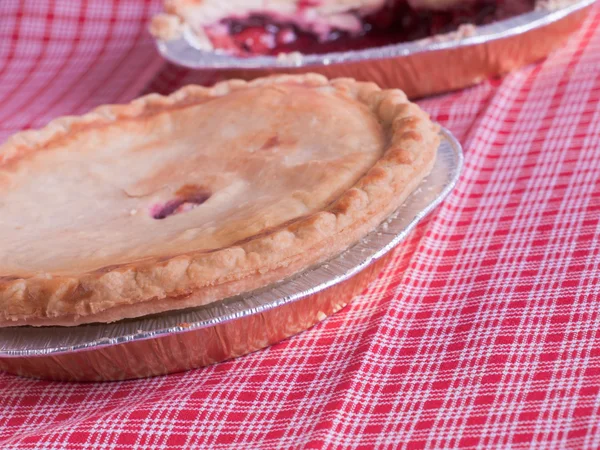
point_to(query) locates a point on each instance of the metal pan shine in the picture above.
(181, 340)
(466, 59)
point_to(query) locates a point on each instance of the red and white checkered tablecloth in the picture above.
(484, 331)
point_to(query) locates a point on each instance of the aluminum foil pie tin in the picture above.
(181, 340)
(466, 58)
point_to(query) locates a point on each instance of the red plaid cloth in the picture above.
(484, 331)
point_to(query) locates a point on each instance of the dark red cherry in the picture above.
(255, 40)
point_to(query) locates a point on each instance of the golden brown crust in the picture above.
(197, 278)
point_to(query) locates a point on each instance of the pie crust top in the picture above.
(179, 201)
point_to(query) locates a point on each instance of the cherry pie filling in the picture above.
(260, 34)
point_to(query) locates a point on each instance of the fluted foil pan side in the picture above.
(181, 340)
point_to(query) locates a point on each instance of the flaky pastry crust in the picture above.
(194, 278)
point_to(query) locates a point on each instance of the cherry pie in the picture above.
(252, 27)
(179, 201)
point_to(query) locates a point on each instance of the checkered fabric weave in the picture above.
(484, 331)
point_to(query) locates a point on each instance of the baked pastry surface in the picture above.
(179, 201)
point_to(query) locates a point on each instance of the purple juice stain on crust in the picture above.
(166, 210)
(187, 198)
